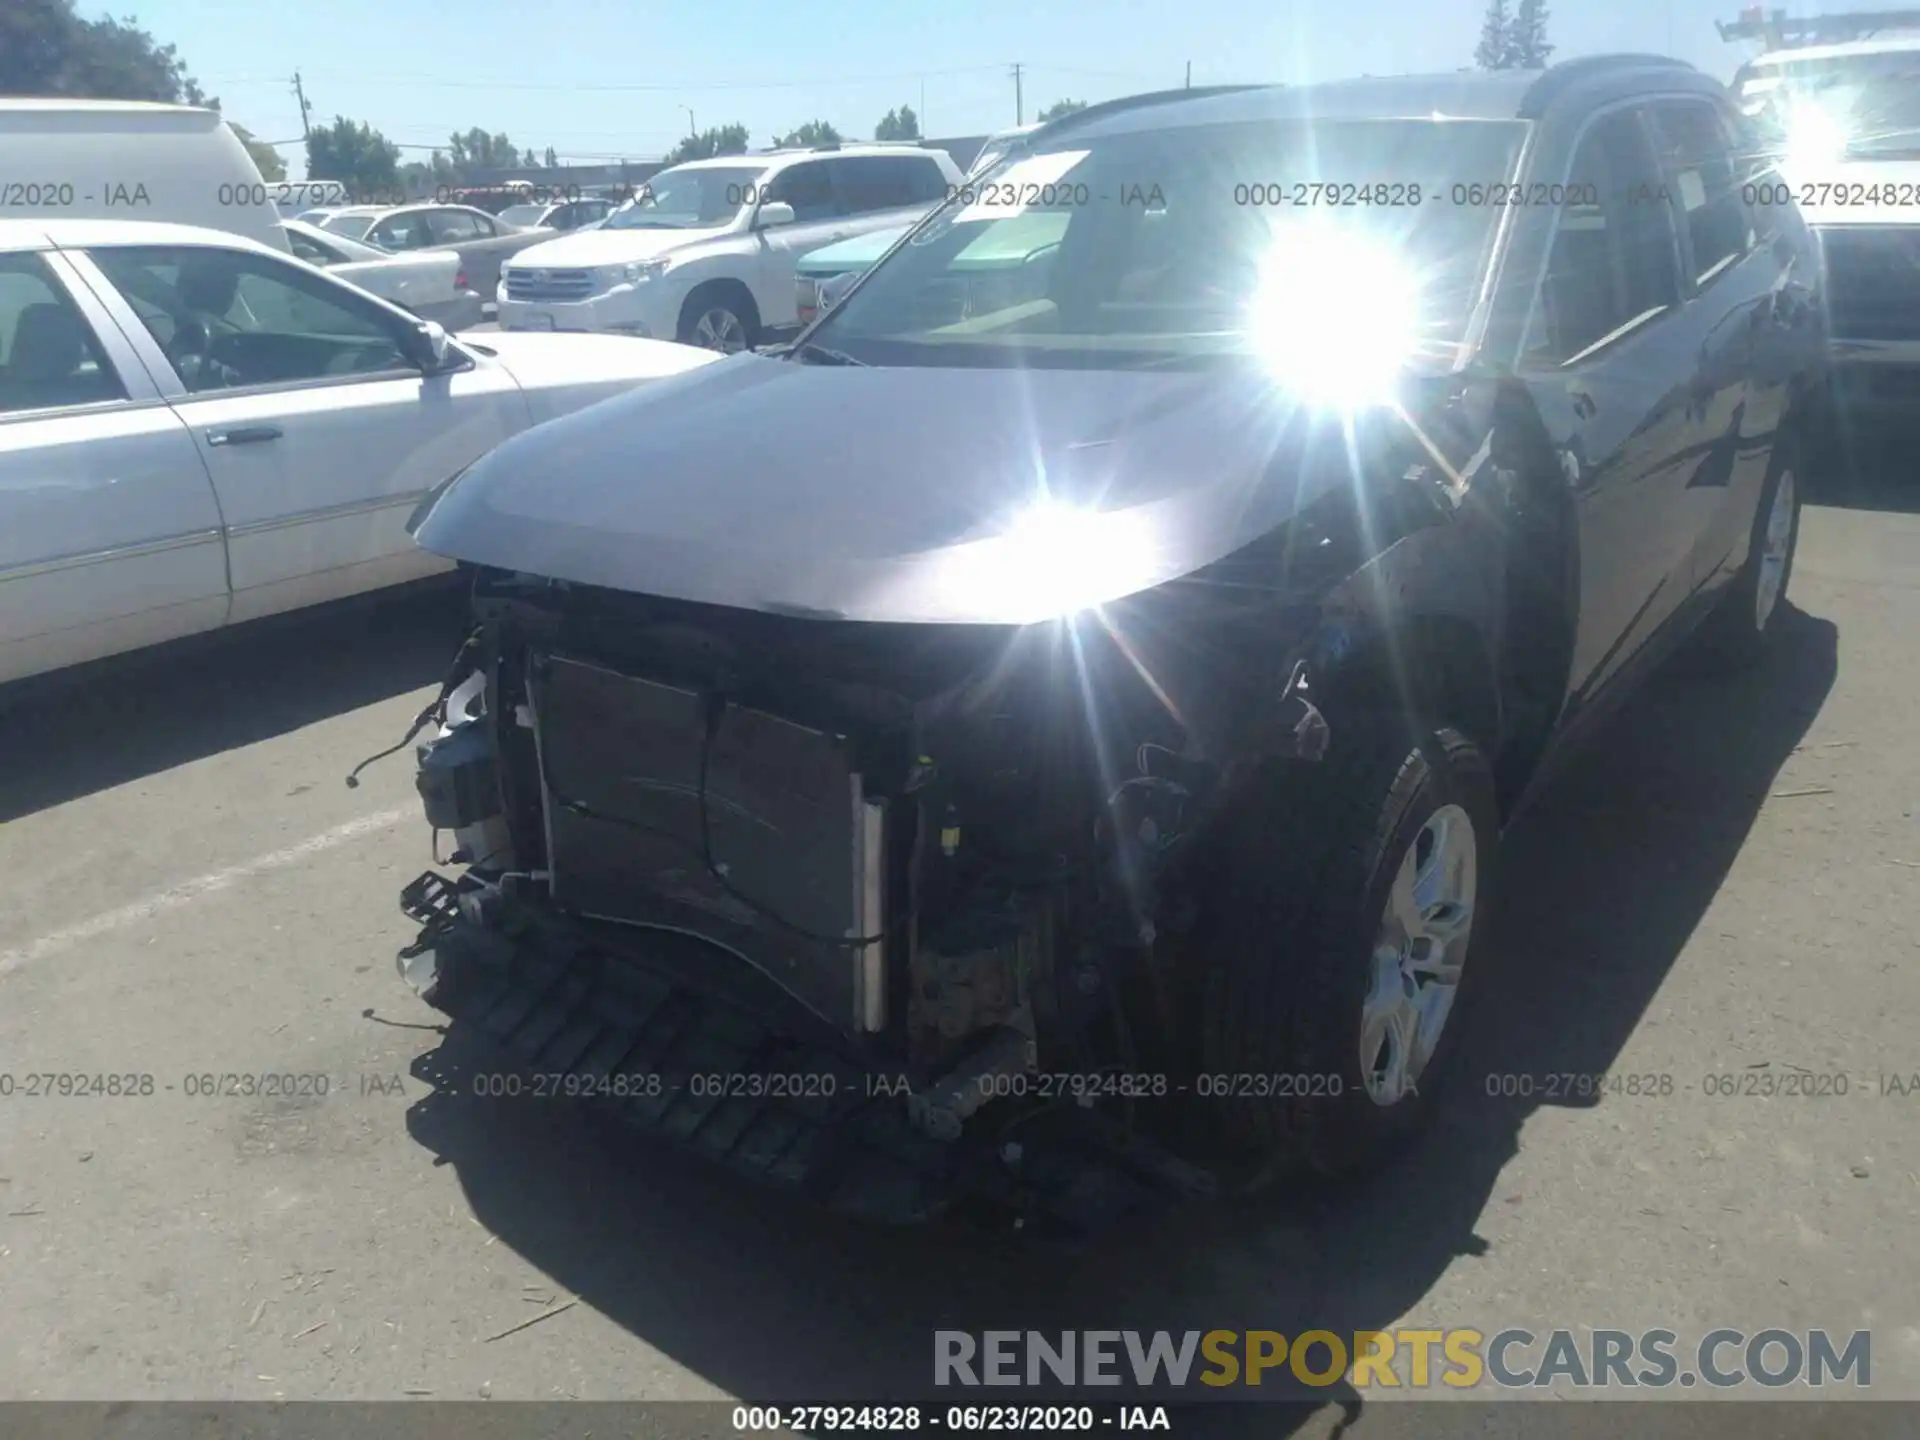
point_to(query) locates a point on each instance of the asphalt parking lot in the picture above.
(1728, 882)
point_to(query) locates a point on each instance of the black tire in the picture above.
(712, 299)
(1735, 635)
(1288, 953)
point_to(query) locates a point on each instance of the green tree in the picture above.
(814, 132)
(1059, 108)
(271, 166)
(901, 124)
(1495, 50)
(47, 49)
(553, 160)
(356, 154)
(721, 140)
(476, 151)
(1528, 37)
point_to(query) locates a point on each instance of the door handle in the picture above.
(1583, 405)
(244, 435)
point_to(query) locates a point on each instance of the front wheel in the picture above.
(716, 320)
(1341, 946)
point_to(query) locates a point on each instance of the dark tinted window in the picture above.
(48, 355)
(1696, 153)
(1611, 263)
(808, 188)
(886, 182)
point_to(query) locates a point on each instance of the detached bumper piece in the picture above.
(710, 1062)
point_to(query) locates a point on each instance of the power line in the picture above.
(682, 87)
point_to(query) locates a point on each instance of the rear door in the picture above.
(1732, 294)
(109, 532)
(319, 435)
(1610, 367)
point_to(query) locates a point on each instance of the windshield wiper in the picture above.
(824, 356)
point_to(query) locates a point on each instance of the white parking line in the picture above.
(175, 896)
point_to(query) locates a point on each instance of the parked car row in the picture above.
(706, 253)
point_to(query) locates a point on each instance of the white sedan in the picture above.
(196, 430)
(430, 283)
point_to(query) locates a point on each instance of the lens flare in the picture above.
(1335, 314)
(1816, 138)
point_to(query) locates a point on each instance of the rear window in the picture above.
(49, 357)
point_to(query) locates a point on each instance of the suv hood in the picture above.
(855, 254)
(585, 248)
(888, 494)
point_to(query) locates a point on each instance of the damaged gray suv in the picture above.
(1043, 737)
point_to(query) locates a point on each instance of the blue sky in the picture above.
(609, 81)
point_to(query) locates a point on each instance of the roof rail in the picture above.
(1557, 79)
(1133, 102)
(1775, 31)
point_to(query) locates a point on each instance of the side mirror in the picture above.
(772, 213)
(425, 344)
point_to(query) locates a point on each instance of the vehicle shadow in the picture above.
(1606, 879)
(135, 715)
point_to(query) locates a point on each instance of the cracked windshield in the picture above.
(845, 720)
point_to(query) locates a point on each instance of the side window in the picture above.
(873, 182)
(1697, 161)
(926, 179)
(401, 232)
(49, 356)
(1767, 198)
(309, 249)
(227, 318)
(1612, 262)
(807, 188)
(451, 227)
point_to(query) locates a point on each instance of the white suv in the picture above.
(705, 253)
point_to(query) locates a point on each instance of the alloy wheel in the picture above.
(1776, 547)
(720, 329)
(1418, 953)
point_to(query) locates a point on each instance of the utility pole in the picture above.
(923, 107)
(306, 131)
(1019, 103)
(1189, 74)
(692, 133)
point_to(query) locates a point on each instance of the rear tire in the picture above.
(1735, 635)
(1323, 1016)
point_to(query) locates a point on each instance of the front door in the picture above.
(319, 433)
(109, 535)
